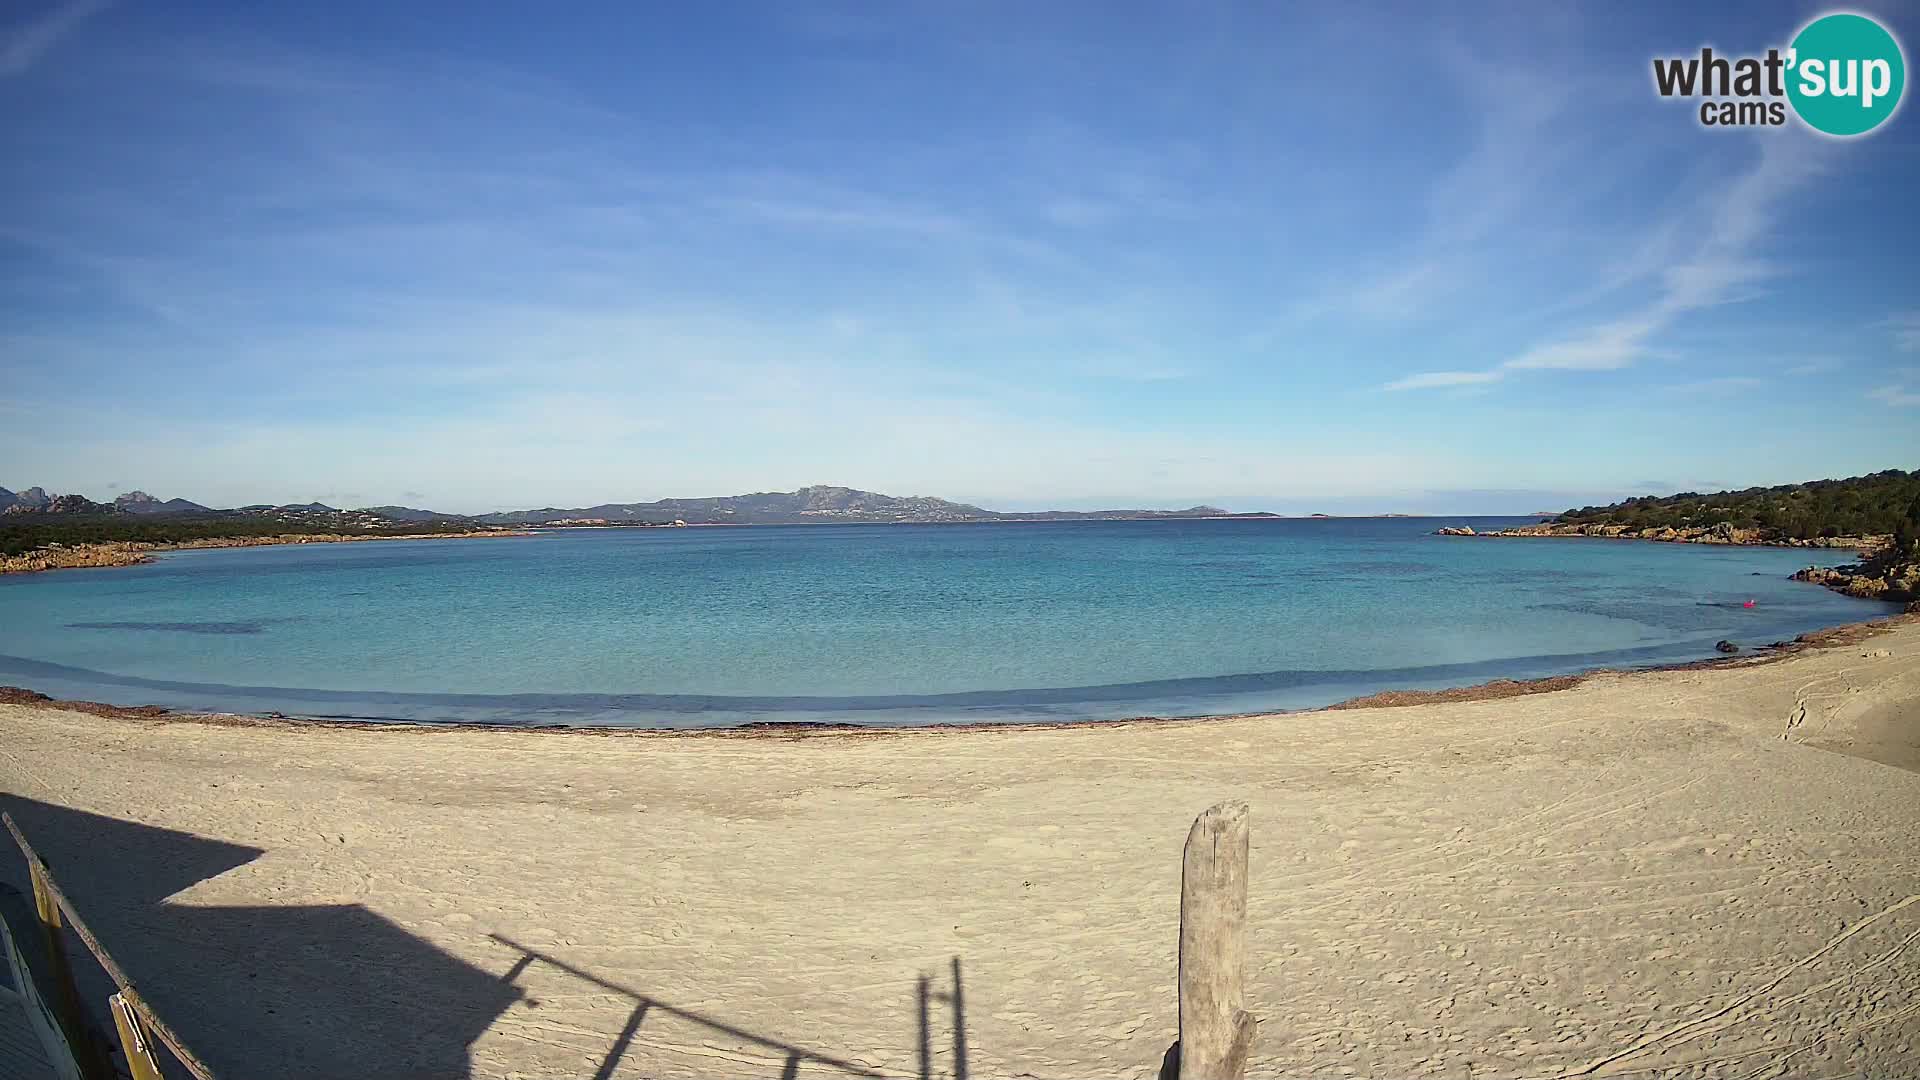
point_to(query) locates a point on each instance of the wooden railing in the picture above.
(139, 1027)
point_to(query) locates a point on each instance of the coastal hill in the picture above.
(48, 531)
(1857, 512)
(409, 513)
(35, 500)
(820, 503)
(34, 524)
(1856, 506)
(1877, 515)
(31, 499)
(139, 502)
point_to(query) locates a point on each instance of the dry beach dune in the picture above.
(1699, 873)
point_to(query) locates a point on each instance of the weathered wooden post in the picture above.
(133, 1041)
(1216, 1031)
(66, 996)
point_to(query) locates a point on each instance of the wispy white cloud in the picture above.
(1604, 348)
(1504, 174)
(1125, 367)
(1433, 379)
(23, 46)
(1817, 366)
(867, 216)
(1896, 395)
(1720, 385)
(1906, 331)
(1725, 261)
(1400, 294)
(875, 214)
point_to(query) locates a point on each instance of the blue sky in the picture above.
(1270, 256)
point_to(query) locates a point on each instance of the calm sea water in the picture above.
(885, 624)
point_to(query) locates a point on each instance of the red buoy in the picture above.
(1747, 604)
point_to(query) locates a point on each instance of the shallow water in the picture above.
(886, 624)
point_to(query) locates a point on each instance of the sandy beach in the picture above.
(1700, 873)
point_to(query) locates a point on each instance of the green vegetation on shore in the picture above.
(21, 533)
(1878, 504)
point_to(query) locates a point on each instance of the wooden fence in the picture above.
(141, 1031)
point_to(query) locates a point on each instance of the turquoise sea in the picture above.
(883, 624)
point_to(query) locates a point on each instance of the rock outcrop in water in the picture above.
(55, 557)
(1879, 578)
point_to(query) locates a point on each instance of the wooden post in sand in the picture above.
(1216, 1032)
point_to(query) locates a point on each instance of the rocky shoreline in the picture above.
(1723, 533)
(1873, 579)
(1877, 576)
(133, 552)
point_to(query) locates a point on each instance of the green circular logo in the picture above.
(1846, 74)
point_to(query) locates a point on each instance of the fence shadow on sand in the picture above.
(333, 990)
(790, 1058)
(323, 991)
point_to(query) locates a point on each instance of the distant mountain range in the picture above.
(31, 499)
(139, 502)
(809, 504)
(36, 500)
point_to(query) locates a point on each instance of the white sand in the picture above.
(1651, 870)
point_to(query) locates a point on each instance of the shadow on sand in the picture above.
(320, 991)
(792, 1058)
